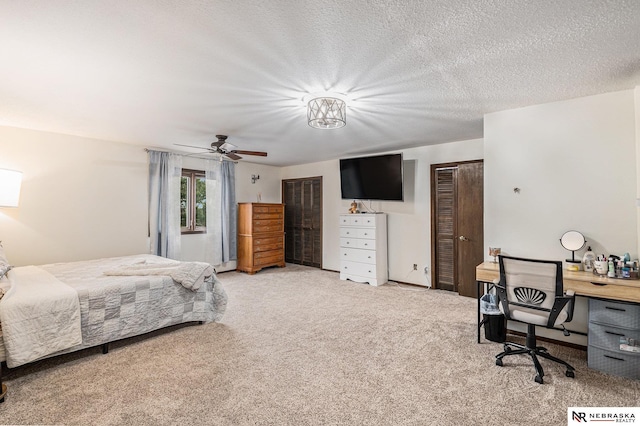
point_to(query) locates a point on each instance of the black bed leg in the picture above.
(105, 348)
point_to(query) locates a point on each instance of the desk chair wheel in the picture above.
(539, 379)
(499, 362)
(570, 373)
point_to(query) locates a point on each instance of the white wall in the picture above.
(409, 222)
(81, 198)
(575, 163)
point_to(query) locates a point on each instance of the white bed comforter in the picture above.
(40, 315)
(190, 275)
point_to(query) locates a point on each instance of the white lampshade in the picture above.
(10, 181)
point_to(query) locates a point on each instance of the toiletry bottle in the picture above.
(612, 269)
(588, 259)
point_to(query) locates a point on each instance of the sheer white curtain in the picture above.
(221, 241)
(165, 171)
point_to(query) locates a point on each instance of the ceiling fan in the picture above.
(222, 147)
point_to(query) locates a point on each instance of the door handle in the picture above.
(463, 238)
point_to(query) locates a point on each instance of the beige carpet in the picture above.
(297, 346)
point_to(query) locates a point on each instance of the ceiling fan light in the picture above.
(326, 112)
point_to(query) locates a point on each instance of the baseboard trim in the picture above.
(395, 281)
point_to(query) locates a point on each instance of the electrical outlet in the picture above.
(415, 266)
(426, 270)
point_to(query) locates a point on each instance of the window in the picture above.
(193, 208)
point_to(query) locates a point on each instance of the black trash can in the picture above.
(495, 328)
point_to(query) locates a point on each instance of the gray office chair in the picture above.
(531, 291)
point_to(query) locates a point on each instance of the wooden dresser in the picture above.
(260, 236)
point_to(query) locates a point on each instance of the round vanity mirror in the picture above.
(572, 241)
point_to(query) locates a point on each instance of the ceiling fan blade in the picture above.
(198, 153)
(232, 156)
(258, 153)
(191, 146)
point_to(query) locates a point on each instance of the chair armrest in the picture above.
(558, 305)
(501, 292)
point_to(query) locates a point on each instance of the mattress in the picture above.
(117, 307)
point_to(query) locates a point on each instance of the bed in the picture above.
(101, 301)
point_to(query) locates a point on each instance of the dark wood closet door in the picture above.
(445, 219)
(457, 225)
(303, 220)
(470, 225)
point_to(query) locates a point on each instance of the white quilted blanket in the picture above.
(190, 274)
(40, 315)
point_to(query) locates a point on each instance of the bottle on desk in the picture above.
(612, 269)
(588, 259)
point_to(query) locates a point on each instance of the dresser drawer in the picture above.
(268, 243)
(349, 232)
(267, 225)
(360, 269)
(358, 243)
(618, 314)
(349, 242)
(355, 255)
(608, 337)
(358, 220)
(267, 209)
(625, 364)
(367, 233)
(268, 257)
(275, 216)
(366, 244)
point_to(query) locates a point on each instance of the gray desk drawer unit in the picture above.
(608, 322)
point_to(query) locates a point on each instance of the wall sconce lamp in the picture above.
(10, 182)
(254, 178)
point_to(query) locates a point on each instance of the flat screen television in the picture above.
(372, 178)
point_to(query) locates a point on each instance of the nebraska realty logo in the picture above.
(581, 415)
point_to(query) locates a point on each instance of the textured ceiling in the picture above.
(160, 72)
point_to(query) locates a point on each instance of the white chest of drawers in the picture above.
(363, 248)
